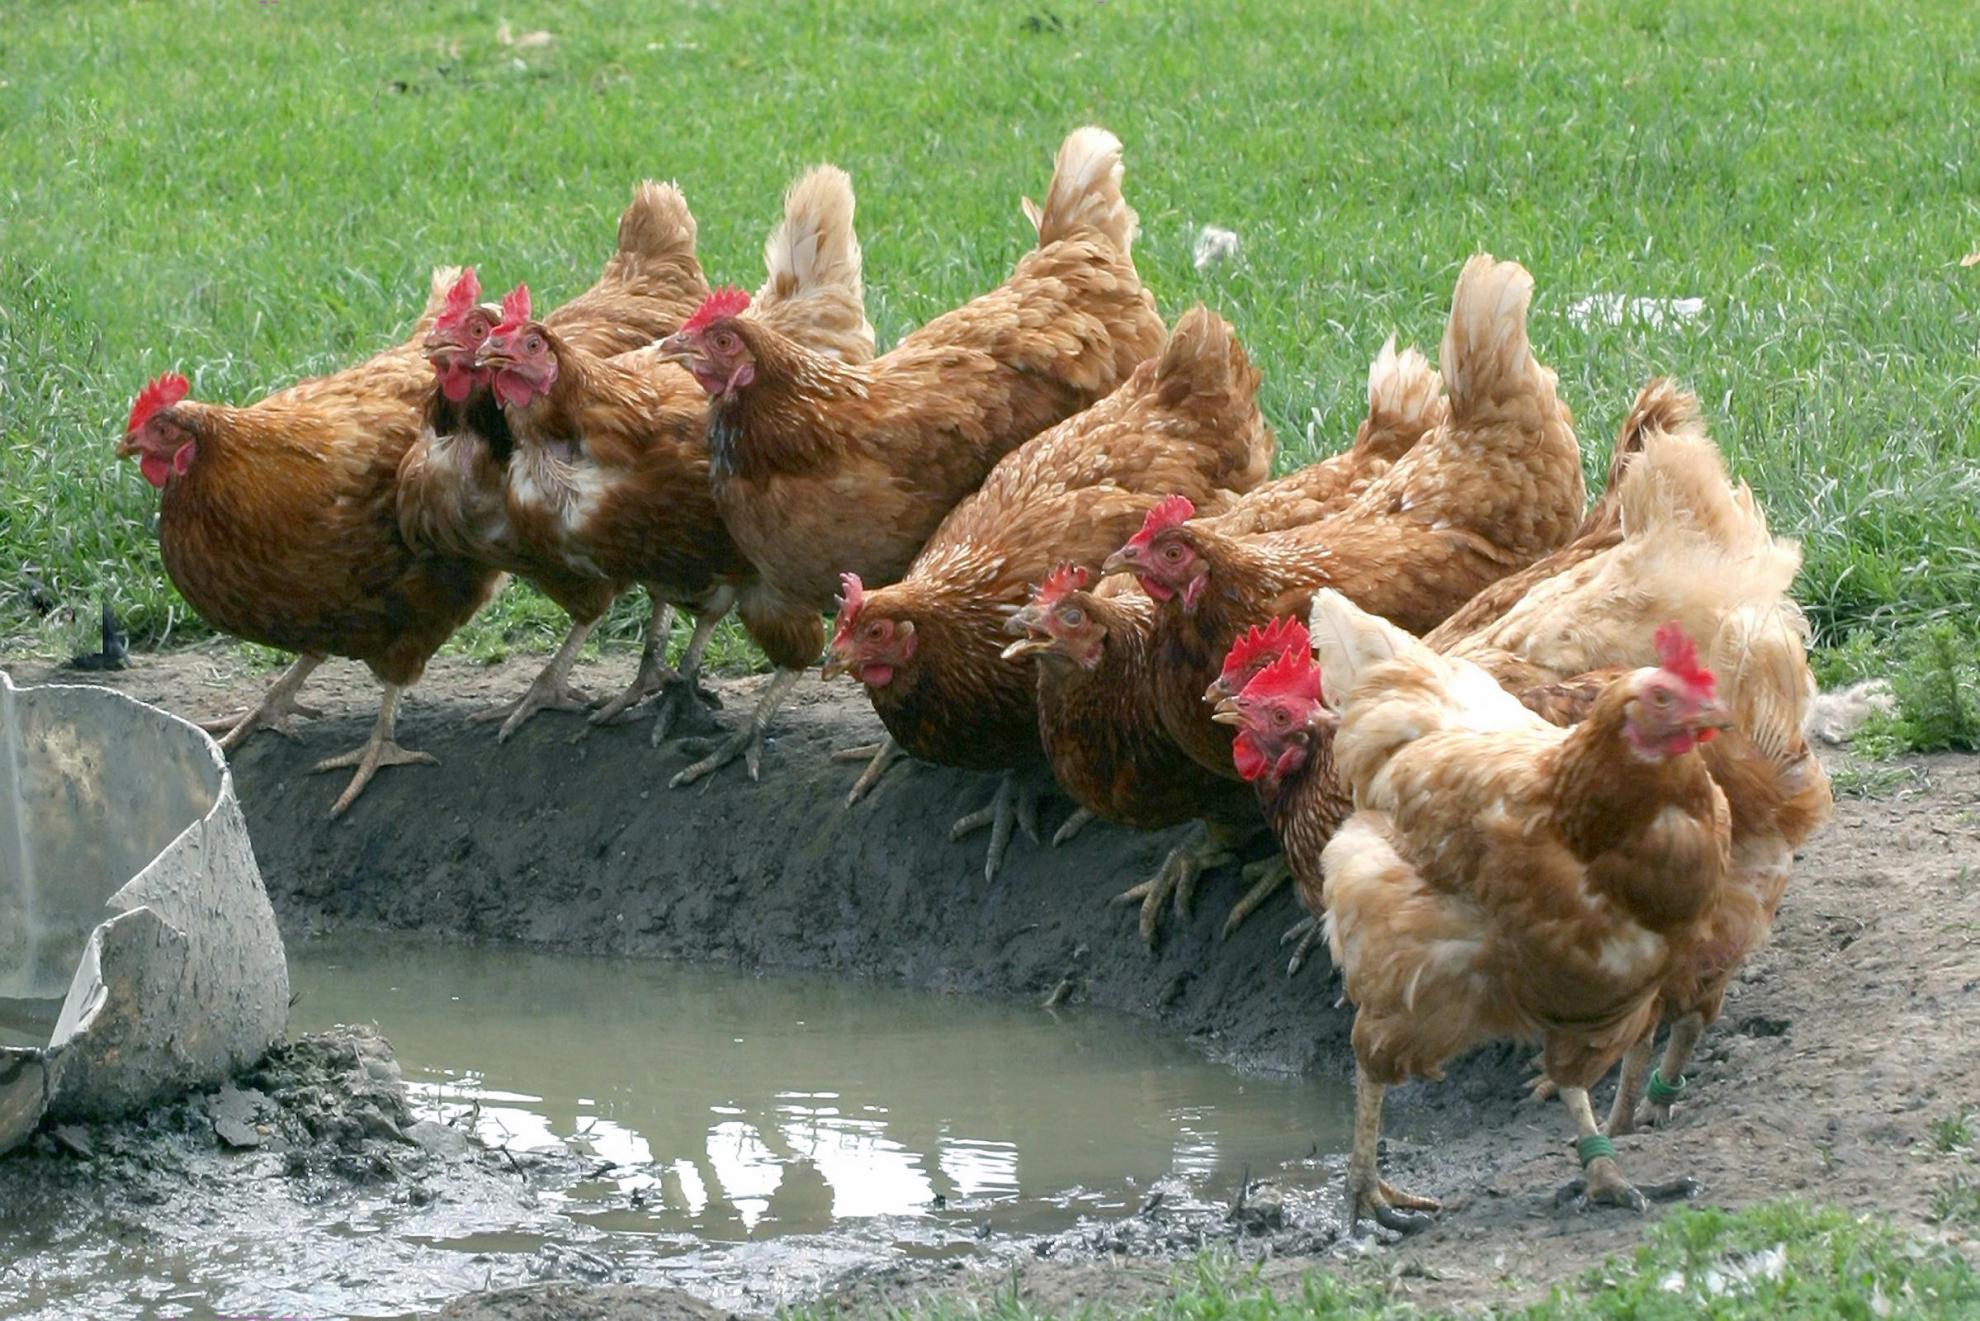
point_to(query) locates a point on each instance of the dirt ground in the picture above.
(1844, 1040)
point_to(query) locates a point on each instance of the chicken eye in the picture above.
(873, 629)
(725, 342)
(1072, 616)
(534, 344)
(1172, 552)
(1281, 716)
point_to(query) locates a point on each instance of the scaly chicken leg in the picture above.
(549, 691)
(1266, 875)
(653, 674)
(1602, 1181)
(277, 709)
(1016, 802)
(1369, 1195)
(378, 751)
(877, 756)
(1664, 1083)
(746, 742)
(682, 694)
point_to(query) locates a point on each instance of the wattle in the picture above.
(877, 676)
(156, 468)
(1160, 591)
(1248, 757)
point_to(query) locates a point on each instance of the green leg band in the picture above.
(1593, 1148)
(1663, 1093)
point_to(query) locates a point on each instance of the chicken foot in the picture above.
(1602, 1182)
(1071, 826)
(1369, 1196)
(378, 751)
(877, 756)
(682, 696)
(746, 742)
(277, 710)
(1307, 932)
(652, 675)
(1015, 803)
(1266, 875)
(1211, 846)
(550, 690)
(1664, 1083)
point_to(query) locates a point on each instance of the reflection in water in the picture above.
(740, 1107)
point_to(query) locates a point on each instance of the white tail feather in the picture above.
(1086, 192)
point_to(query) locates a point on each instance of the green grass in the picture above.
(1784, 1259)
(250, 192)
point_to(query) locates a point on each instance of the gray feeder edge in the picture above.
(109, 804)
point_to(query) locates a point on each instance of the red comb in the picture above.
(1677, 653)
(461, 298)
(1173, 511)
(1293, 674)
(723, 302)
(1062, 580)
(515, 307)
(162, 393)
(854, 596)
(1259, 646)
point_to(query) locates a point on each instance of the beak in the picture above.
(1122, 560)
(494, 355)
(1216, 692)
(1026, 647)
(126, 446)
(1713, 715)
(1227, 712)
(835, 667)
(677, 348)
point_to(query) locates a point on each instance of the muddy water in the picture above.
(753, 1140)
(748, 1107)
(746, 1129)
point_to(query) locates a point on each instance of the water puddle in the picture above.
(752, 1139)
(27, 1022)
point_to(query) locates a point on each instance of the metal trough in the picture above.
(129, 892)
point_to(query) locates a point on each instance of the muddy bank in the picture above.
(1842, 1043)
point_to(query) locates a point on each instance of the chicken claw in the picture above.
(1071, 826)
(1308, 932)
(278, 709)
(1186, 862)
(544, 694)
(377, 752)
(1266, 875)
(1602, 1182)
(746, 742)
(878, 757)
(550, 690)
(1015, 802)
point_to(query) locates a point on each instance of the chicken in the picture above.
(927, 648)
(609, 479)
(1494, 486)
(1778, 795)
(278, 523)
(821, 468)
(1289, 765)
(1095, 660)
(1502, 877)
(453, 480)
(1294, 776)
(1698, 550)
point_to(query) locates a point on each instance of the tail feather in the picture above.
(656, 227)
(1405, 402)
(813, 286)
(1086, 192)
(1761, 662)
(1680, 484)
(1661, 405)
(1202, 357)
(1486, 356)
